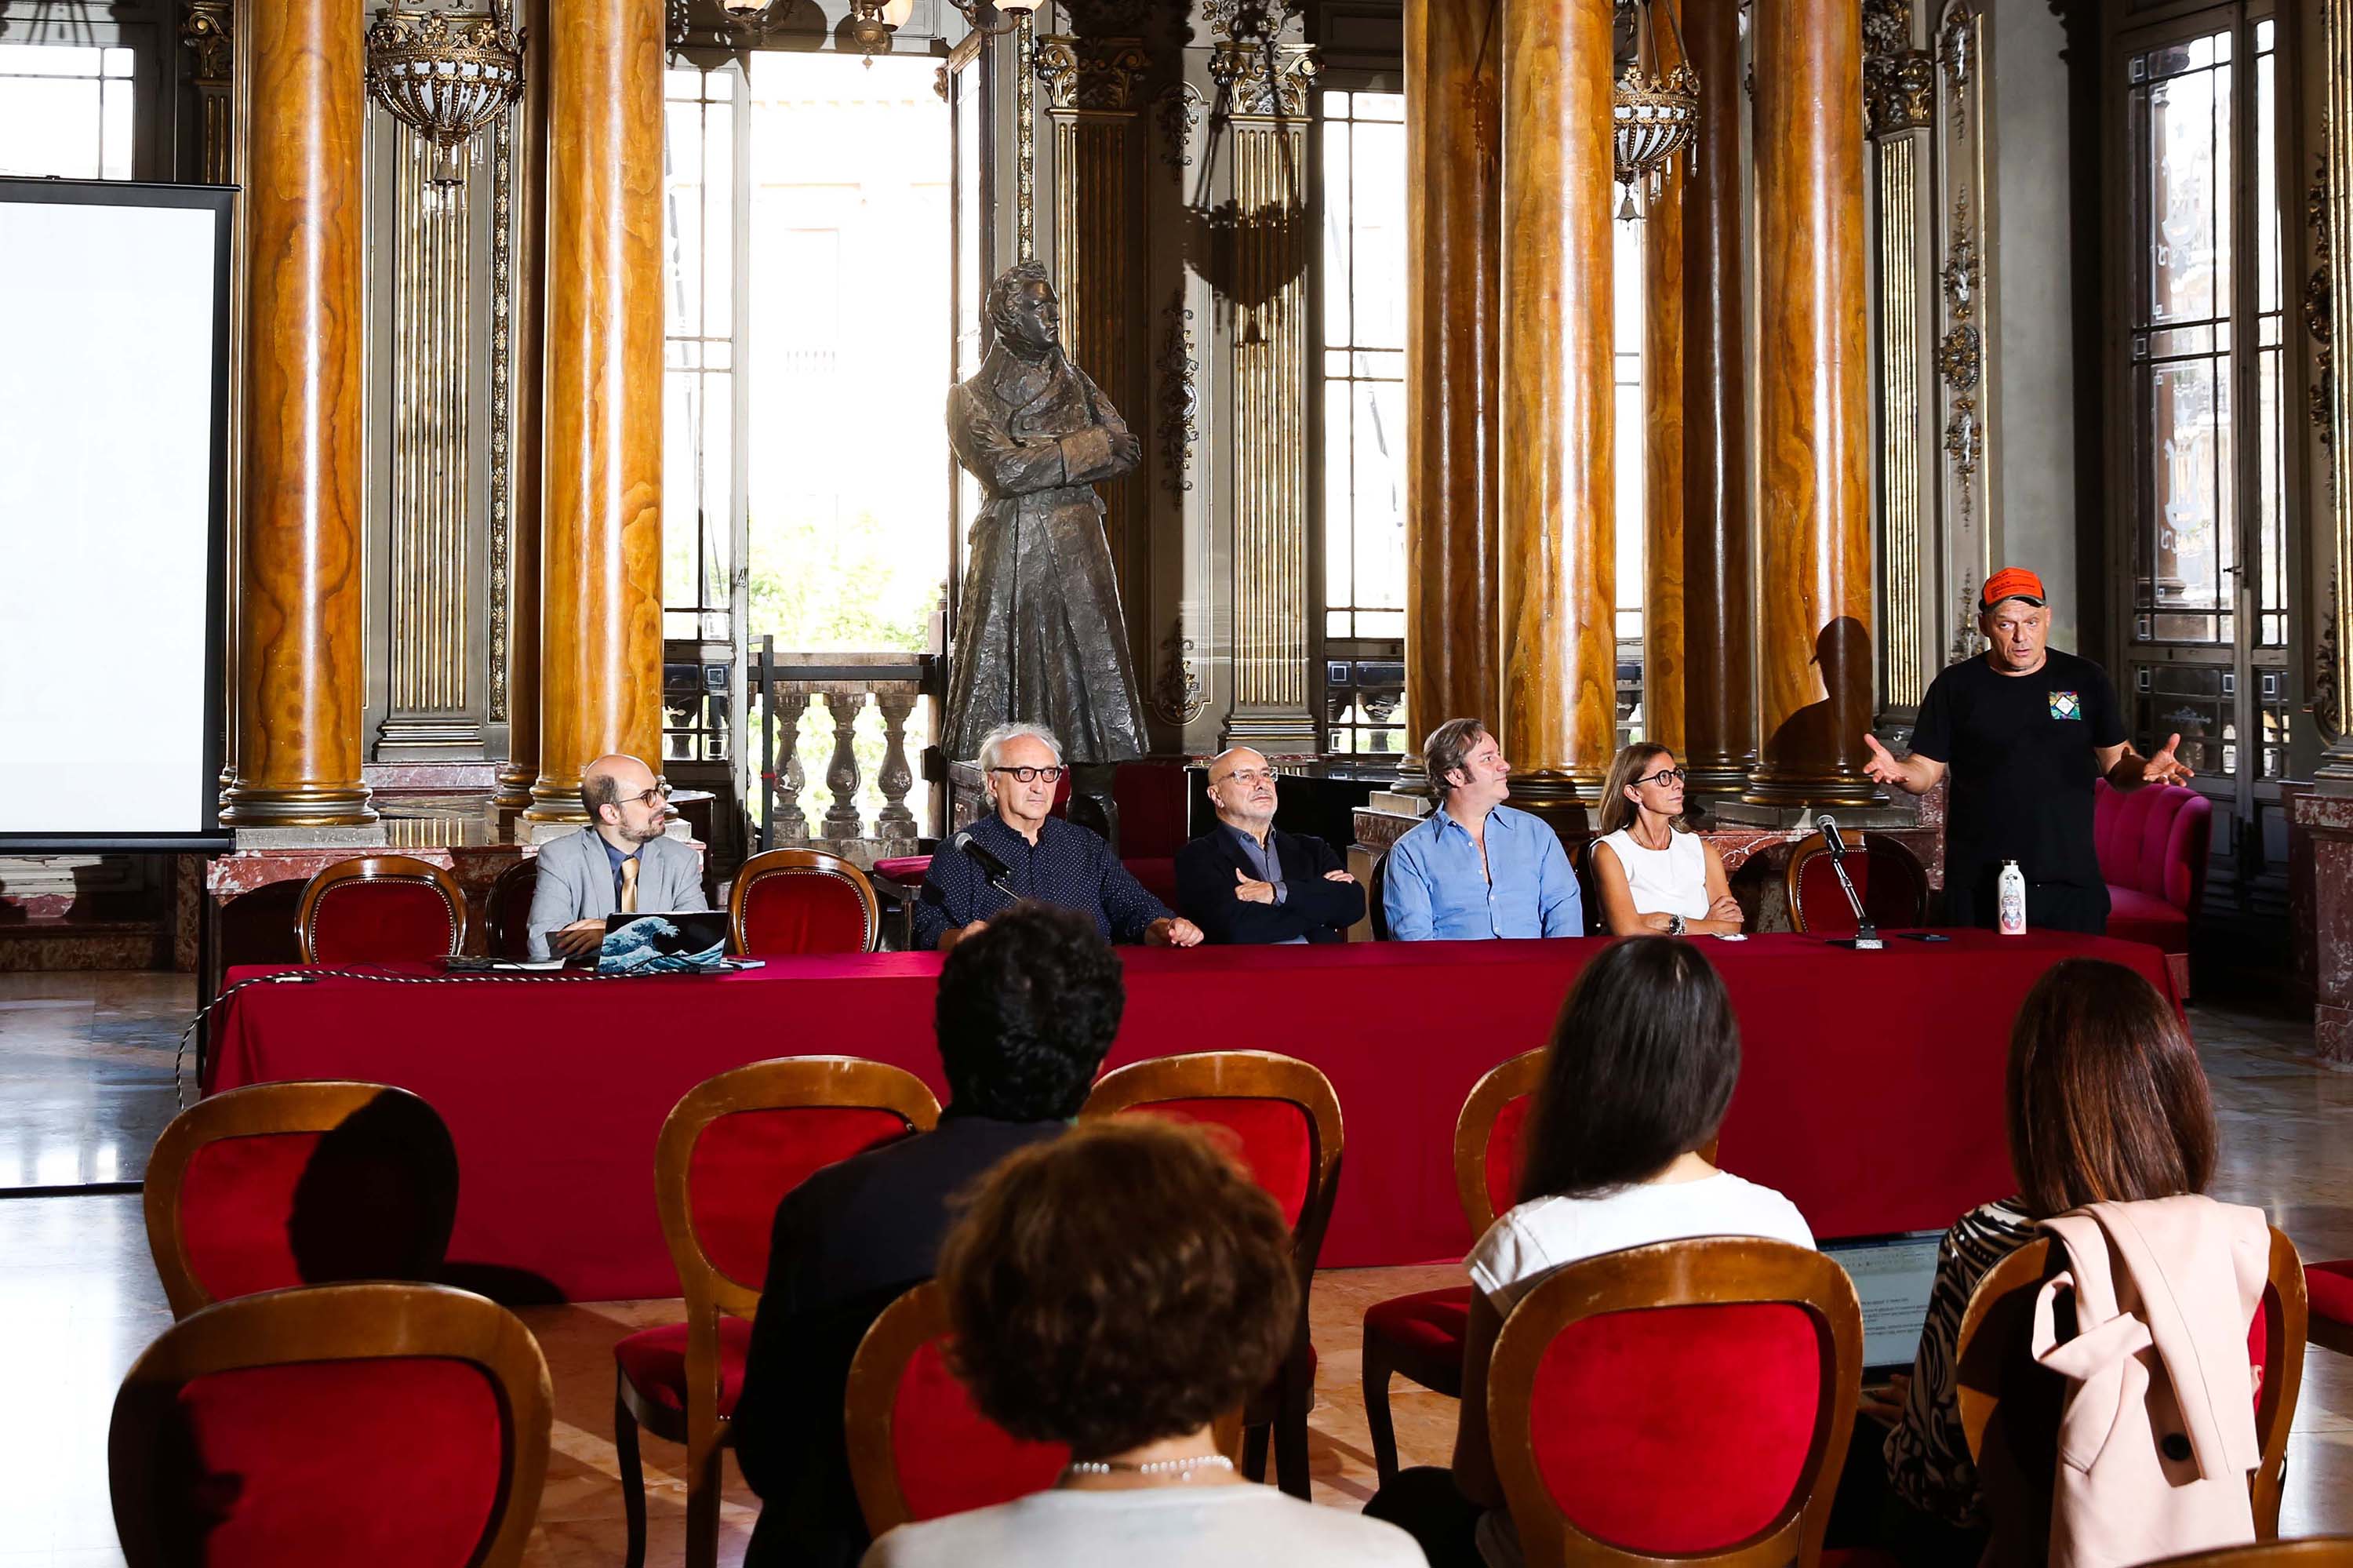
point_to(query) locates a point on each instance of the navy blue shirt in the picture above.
(1068, 866)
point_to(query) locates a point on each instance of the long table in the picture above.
(1871, 1088)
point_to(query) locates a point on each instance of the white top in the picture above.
(1546, 1233)
(1149, 1527)
(1671, 881)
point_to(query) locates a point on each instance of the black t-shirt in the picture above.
(2020, 750)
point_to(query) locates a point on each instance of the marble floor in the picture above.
(78, 1298)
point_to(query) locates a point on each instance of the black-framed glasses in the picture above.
(655, 796)
(1031, 775)
(1663, 776)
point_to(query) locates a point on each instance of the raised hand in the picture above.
(1882, 766)
(2166, 767)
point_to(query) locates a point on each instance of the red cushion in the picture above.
(804, 911)
(397, 1461)
(654, 1361)
(908, 869)
(1155, 813)
(1158, 875)
(2153, 840)
(2138, 917)
(1430, 1323)
(949, 1456)
(268, 1211)
(1681, 1429)
(381, 920)
(2329, 1287)
(1276, 1141)
(1504, 1153)
(1890, 895)
(746, 1162)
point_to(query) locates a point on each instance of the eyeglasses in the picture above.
(1031, 775)
(1248, 778)
(1663, 776)
(654, 795)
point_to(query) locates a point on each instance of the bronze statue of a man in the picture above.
(1041, 638)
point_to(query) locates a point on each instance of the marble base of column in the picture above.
(2327, 819)
(1558, 799)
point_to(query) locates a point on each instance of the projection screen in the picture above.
(113, 402)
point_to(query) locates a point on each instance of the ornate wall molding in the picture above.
(1177, 111)
(2318, 312)
(1086, 74)
(1899, 82)
(2333, 683)
(1965, 328)
(1176, 695)
(502, 217)
(1181, 397)
(209, 30)
(1267, 80)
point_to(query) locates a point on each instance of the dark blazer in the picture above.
(1312, 907)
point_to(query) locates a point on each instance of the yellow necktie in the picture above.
(630, 885)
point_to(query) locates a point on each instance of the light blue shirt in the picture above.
(1434, 889)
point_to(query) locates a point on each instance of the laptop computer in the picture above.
(1893, 1276)
(672, 943)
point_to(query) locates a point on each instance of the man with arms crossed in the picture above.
(1246, 880)
(1475, 868)
(618, 863)
(2025, 730)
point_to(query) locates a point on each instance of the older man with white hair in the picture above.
(1023, 851)
(1247, 881)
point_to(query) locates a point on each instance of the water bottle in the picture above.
(2012, 898)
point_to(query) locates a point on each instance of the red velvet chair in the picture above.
(729, 1152)
(1887, 877)
(2010, 1408)
(2152, 843)
(2328, 1290)
(1155, 812)
(299, 1183)
(380, 909)
(1690, 1400)
(507, 911)
(802, 901)
(918, 1449)
(1420, 1336)
(364, 1423)
(1286, 1123)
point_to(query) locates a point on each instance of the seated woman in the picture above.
(1652, 876)
(2106, 1103)
(1118, 1291)
(1639, 1073)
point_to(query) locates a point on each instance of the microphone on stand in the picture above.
(993, 871)
(1866, 935)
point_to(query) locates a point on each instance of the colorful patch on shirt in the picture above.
(2066, 705)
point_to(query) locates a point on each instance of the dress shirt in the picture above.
(1436, 891)
(1266, 868)
(1068, 867)
(616, 857)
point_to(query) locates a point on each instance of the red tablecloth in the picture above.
(1870, 1091)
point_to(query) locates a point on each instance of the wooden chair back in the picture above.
(1487, 1162)
(299, 1183)
(2010, 1406)
(802, 901)
(2313, 1552)
(1280, 1109)
(507, 911)
(380, 908)
(729, 1152)
(1688, 1401)
(383, 1423)
(1887, 877)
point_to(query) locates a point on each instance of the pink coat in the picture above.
(2157, 1437)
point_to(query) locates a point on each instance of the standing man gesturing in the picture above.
(2025, 730)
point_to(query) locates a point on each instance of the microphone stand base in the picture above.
(1863, 942)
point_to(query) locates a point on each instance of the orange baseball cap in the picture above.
(2012, 582)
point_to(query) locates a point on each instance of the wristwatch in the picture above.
(1674, 925)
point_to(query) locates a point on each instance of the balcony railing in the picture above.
(843, 718)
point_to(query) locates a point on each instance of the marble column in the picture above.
(1556, 583)
(527, 461)
(600, 549)
(299, 666)
(1453, 213)
(1814, 566)
(1719, 627)
(1663, 611)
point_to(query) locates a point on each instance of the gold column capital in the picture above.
(1088, 75)
(1265, 80)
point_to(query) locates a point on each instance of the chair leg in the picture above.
(1377, 1372)
(633, 1474)
(1291, 1440)
(1254, 1440)
(703, 1485)
(2177, 964)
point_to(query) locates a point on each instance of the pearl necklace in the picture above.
(1184, 1467)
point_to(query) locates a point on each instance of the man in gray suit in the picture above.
(620, 863)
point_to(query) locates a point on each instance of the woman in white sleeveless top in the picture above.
(1652, 876)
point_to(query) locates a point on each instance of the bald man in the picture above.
(618, 863)
(1247, 881)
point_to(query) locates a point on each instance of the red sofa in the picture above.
(2152, 844)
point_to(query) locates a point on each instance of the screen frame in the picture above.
(220, 201)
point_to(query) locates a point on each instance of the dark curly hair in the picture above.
(1026, 1010)
(1125, 1283)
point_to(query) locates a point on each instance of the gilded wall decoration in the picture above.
(501, 396)
(1181, 397)
(1178, 111)
(209, 31)
(1264, 78)
(1249, 20)
(1899, 82)
(1091, 74)
(1958, 357)
(1176, 695)
(2319, 313)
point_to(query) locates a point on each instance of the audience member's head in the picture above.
(1634, 782)
(1466, 763)
(1242, 790)
(1007, 753)
(1641, 1071)
(1123, 1284)
(1025, 1011)
(2108, 1101)
(624, 797)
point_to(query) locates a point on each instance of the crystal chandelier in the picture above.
(445, 75)
(1654, 113)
